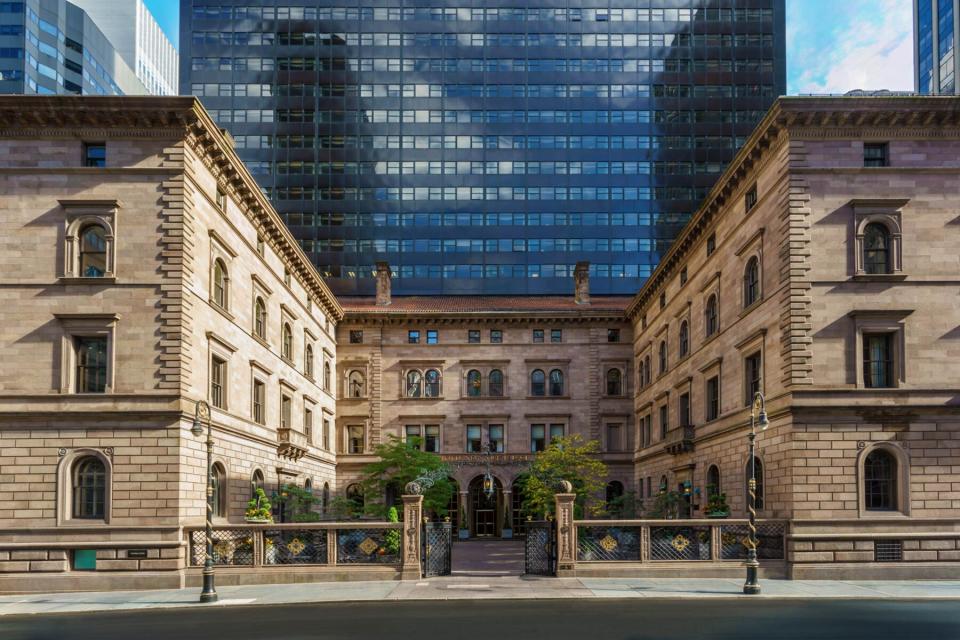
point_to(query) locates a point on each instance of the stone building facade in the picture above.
(823, 272)
(144, 271)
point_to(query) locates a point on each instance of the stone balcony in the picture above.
(291, 444)
(679, 440)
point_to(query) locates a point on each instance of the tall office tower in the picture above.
(935, 61)
(54, 47)
(139, 40)
(485, 148)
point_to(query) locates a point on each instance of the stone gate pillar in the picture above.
(412, 517)
(566, 531)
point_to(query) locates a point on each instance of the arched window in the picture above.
(431, 385)
(538, 383)
(356, 385)
(614, 496)
(414, 384)
(640, 374)
(286, 345)
(713, 481)
(684, 339)
(758, 465)
(614, 382)
(880, 481)
(220, 292)
(474, 381)
(260, 318)
(89, 488)
(308, 360)
(663, 356)
(326, 376)
(218, 481)
(710, 319)
(256, 481)
(93, 251)
(326, 498)
(751, 282)
(355, 495)
(308, 485)
(876, 249)
(556, 382)
(646, 371)
(495, 383)
(663, 484)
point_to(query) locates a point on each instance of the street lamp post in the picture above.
(202, 412)
(758, 416)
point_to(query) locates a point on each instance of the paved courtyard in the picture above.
(488, 558)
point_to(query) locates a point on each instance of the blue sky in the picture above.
(832, 45)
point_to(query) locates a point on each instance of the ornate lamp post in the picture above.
(758, 417)
(202, 412)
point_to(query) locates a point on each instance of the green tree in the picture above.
(571, 459)
(402, 462)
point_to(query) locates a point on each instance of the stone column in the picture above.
(464, 510)
(507, 513)
(566, 531)
(410, 555)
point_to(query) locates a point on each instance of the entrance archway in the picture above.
(485, 509)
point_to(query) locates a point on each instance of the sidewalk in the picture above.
(479, 587)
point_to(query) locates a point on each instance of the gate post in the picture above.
(410, 558)
(566, 531)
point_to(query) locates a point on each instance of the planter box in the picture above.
(258, 520)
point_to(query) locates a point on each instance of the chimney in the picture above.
(581, 283)
(383, 284)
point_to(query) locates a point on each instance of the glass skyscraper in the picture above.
(485, 147)
(936, 62)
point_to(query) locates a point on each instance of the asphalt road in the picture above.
(504, 620)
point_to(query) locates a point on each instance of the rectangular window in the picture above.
(259, 402)
(683, 276)
(713, 398)
(412, 434)
(538, 439)
(711, 244)
(613, 437)
(474, 439)
(286, 410)
(647, 430)
(356, 336)
(878, 360)
(473, 336)
(752, 373)
(218, 375)
(875, 154)
(556, 335)
(221, 199)
(431, 438)
(94, 154)
(613, 335)
(91, 359)
(355, 442)
(496, 438)
(433, 336)
(684, 409)
(556, 431)
(326, 435)
(261, 245)
(538, 335)
(308, 424)
(413, 337)
(750, 199)
(664, 426)
(496, 336)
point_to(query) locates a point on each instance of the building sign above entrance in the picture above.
(480, 459)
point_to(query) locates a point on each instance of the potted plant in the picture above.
(717, 506)
(258, 509)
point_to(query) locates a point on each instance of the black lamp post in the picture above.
(758, 417)
(202, 412)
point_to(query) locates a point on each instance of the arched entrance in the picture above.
(485, 508)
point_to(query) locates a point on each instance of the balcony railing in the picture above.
(291, 444)
(679, 439)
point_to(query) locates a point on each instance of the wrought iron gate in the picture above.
(540, 548)
(437, 545)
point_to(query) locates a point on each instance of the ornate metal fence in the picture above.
(609, 544)
(368, 546)
(770, 541)
(679, 543)
(437, 547)
(540, 548)
(295, 546)
(230, 547)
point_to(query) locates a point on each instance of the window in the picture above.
(474, 382)
(473, 336)
(286, 344)
(259, 402)
(412, 436)
(664, 423)
(286, 409)
(663, 357)
(93, 251)
(325, 503)
(538, 438)
(496, 336)
(355, 439)
(261, 245)
(356, 336)
(308, 424)
(663, 299)
(256, 482)
(308, 361)
(556, 335)
(538, 335)
(751, 282)
(684, 339)
(880, 481)
(94, 154)
(286, 276)
(750, 199)
(683, 276)
(614, 382)
(432, 383)
(221, 199)
(556, 431)
(538, 383)
(354, 495)
(875, 154)
(218, 482)
(413, 337)
(260, 318)
(878, 360)
(474, 439)
(614, 442)
(713, 481)
(91, 359)
(431, 438)
(414, 384)
(613, 335)
(89, 489)
(495, 383)
(495, 432)
(752, 377)
(326, 435)
(758, 471)
(711, 244)
(356, 384)
(646, 426)
(640, 374)
(433, 336)
(218, 377)
(683, 409)
(646, 370)
(220, 290)
(713, 398)
(614, 495)
(876, 249)
(326, 376)
(556, 382)
(710, 317)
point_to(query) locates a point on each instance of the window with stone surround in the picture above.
(538, 383)
(752, 377)
(91, 359)
(751, 282)
(556, 382)
(220, 289)
(877, 229)
(883, 480)
(879, 339)
(87, 353)
(89, 240)
(615, 436)
(326, 375)
(473, 336)
(355, 438)
(662, 353)
(426, 436)
(876, 249)
(496, 336)
(712, 395)
(356, 336)
(356, 384)
(664, 422)
(286, 411)
(614, 382)
(89, 488)
(260, 318)
(684, 339)
(711, 316)
(495, 383)
(218, 380)
(286, 343)
(84, 479)
(308, 423)
(422, 383)
(713, 481)
(308, 363)
(94, 154)
(259, 401)
(876, 154)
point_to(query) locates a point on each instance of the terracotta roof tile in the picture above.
(485, 304)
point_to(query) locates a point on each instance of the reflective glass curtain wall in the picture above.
(936, 24)
(485, 147)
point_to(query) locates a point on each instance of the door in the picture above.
(484, 508)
